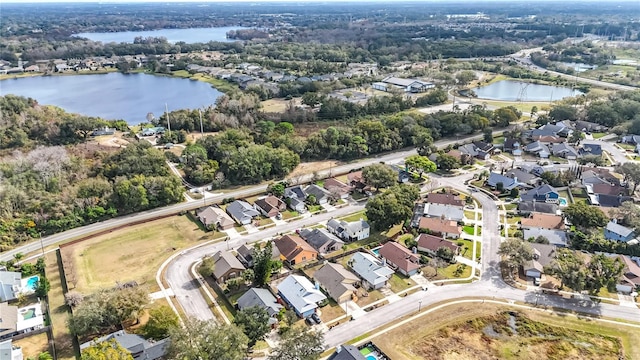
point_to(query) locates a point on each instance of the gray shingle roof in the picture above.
(260, 297)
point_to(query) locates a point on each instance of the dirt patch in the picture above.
(279, 105)
(311, 167)
(115, 140)
(33, 345)
(488, 331)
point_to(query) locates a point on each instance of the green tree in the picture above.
(299, 344)
(420, 164)
(603, 271)
(487, 135)
(582, 215)
(515, 193)
(515, 253)
(205, 340)
(629, 213)
(379, 176)
(263, 265)
(563, 112)
(631, 173)
(504, 116)
(445, 253)
(569, 267)
(161, 321)
(277, 189)
(45, 356)
(465, 77)
(42, 287)
(106, 350)
(254, 322)
(392, 207)
(447, 162)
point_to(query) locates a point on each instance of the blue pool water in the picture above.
(371, 357)
(563, 201)
(32, 283)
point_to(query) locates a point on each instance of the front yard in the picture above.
(466, 249)
(400, 282)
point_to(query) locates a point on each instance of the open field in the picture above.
(310, 167)
(58, 310)
(485, 331)
(130, 254)
(279, 105)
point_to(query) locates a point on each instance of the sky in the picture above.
(268, 1)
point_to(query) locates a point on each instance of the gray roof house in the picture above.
(322, 195)
(373, 272)
(261, 298)
(10, 285)
(508, 183)
(215, 218)
(242, 212)
(245, 255)
(543, 255)
(555, 237)
(347, 352)
(295, 198)
(226, 266)
(527, 207)
(523, 176)
(538, 148)
(9, 351)
(321, 240)
(349, 231)
(139, 348)
(337, 281)
(564, 150)
(300, 294)
(447, 212)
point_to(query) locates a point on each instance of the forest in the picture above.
(57, 182)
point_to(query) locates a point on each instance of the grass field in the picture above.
(400, 282)
(483, 331)
(58, 309)
(133, 253)
(220, 85)
(469, 245)
(278, 105)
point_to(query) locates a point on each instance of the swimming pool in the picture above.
(30, 284)
(376, 251)
(563, 201)
(28, 313)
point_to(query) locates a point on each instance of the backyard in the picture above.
(130, 254)
(58, 310)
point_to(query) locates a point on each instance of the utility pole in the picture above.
(201, 128)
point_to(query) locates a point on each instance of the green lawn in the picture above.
(471, 215)
(355, 216)
(627, 146)
(510, 206)
(400, 282)
(469, 245)
(469, 229)
(498, 140)
(289, 214)
(514, 220)
(314, 208)
(451, 271)
(403, 238)
(558, 159)
(598, 135)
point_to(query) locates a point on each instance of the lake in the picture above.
(190, 36)
(512, 90)
(115, 95)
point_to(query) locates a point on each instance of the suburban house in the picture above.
(373, 272)
(533, 169)
(337, 281)
(558, 129)
(10, 285)
(484, 148)
(507, 182)
(356, 180)
(226, 267)
(337, 187)
(447, 212)
(591, 150)
(555, 237)
(294, 250)
(213, 217)
(9, 351)
(296, 197)
(630, 279)
(300, 294)
(606, 200)
(617, 232)
(349, 231)
(587, 126)
(322, 196)
(430, 244)
(631, 139)
(564, 150)
(408, 85)
(245, 255)
(321, 240)
(538, 148)
(400, 258)
(544, 221)
(445, 199)
(606, 189)
(543, 193)
(442, 227)
(347, 352)
(543, 254)
(549, 139)
(270, 205)
(471, 151)
(523, 177)
(527, 207)
(242, 212)
(512, 146)
(139, 347)
(14, 322)
(263, 299)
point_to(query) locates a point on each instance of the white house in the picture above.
(349, 231)
(300, 294)
(9, 351)
(373, 272)
(408, 85)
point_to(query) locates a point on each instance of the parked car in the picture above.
(316, 318)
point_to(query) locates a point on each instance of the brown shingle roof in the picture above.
(291, 245)
(608, 189)
(332, 183)
(355, 176)
(399, 255)
(438, 225)
(446, 199)
(432, 243)
(545, 221)
(270, 203)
